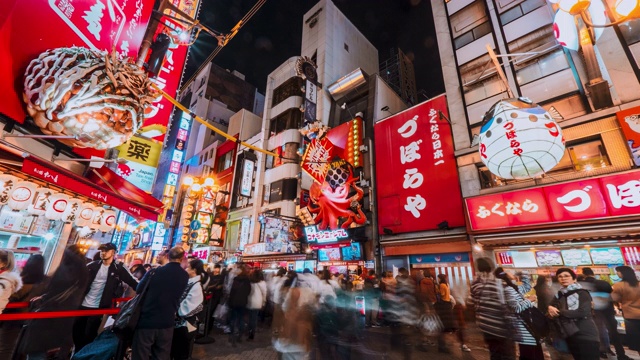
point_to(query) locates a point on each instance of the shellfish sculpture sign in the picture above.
(520, 140)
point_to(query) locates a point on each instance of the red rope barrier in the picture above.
(57, 314)
(17, 305)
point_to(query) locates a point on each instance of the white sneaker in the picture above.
(465, 348)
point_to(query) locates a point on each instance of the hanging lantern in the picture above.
(96, 97)
(520, 140)
(22, 195)
(7, 182)
(565, 28)
(97, 218)
(85, 215)
(57, 206)
(71, 212)
(108, 221)
(39, 207)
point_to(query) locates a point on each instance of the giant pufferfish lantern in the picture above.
(95, 98)
(520, 140)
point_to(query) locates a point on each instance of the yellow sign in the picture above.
(141, 151)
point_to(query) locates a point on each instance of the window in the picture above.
(291, 87)
(224, 162)
(290, 119)
(580, 155)
(470, 36)
(520, 10)
(541, 67)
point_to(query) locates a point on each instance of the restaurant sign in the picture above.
(594, 198)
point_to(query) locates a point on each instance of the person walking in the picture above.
(32, 276)
(295, 340)
(106, 276)
(257, 300)
(426, 291)
(371, 295)
(529, 347)
(190, 306)
(444, 309)
(627, 293)
(238, 300)
(388, 289)
(487, 296)
(10, 282)
(216, 284)
(43, 338)
(604, 315)
(573, 305)
(154, 331)
(543, 293)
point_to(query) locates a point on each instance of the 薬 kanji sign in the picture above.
(141, 164)
(417, 177)
(595, 198)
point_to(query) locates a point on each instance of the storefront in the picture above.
(44, 207)
(593, 222)
(336, 250)
(279, 242)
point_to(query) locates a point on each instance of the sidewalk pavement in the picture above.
(375, 344)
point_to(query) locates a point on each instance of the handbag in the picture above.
(127, 319)
(535, 321)
(566, 327)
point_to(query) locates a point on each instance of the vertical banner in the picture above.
(630, 124)
(417, 177)
(310, 101)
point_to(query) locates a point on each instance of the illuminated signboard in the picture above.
(247, 178)
(142, 157)
(324, 236)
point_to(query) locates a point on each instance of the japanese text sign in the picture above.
(416, 171)
(142, 160)
(607, 196)
(630, 124)
(27, 28)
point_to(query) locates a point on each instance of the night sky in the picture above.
(274, 35)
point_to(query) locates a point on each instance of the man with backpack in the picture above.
(105, 284)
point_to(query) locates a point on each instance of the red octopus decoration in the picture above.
(333, 205)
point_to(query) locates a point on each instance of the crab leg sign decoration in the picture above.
(331, 201)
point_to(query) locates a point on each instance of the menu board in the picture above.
(16, 221)
(525, 259)
(576, 257)
(44, 226)
(607, 256)
(549, 258)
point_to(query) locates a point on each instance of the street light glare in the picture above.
(188, 181)
(196, 187)
(626, 7)
(208, 182)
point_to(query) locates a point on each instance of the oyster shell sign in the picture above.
(28, 28)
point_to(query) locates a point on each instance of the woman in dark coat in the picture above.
(64, 292)
(573, 304)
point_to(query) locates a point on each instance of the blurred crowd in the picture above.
(310, 315)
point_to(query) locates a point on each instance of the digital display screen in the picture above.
(332, 254)
(299, 266)
(310, 264)
(607, 256)
(524, 259)
(352, 252)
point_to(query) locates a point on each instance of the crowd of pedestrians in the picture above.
(312, 315)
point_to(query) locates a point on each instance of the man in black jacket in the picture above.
(105, 278)
(154, 331)
(605, 315)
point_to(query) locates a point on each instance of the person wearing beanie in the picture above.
(573, 304)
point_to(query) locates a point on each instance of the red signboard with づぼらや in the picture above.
(589, 199)
(417, 177)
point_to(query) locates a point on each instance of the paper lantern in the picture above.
(108, 221)
(565, 28)
(98, 217)
(7, 182)
(57, 206)
(39, 207)
(70, 214)
(85, 215)
(520, 140)
(22, 195)
(97, 97)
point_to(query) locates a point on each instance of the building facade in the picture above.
(591, 91)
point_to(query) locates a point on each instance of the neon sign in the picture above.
(324, 236)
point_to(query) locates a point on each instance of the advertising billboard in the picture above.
(416, 172)
(332, 161)
(28, 28)
(595, 198)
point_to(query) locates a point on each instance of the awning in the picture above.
(64, 178)
(108, 179)
(274, 257)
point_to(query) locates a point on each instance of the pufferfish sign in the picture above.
(520, 140)
(331, 159)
